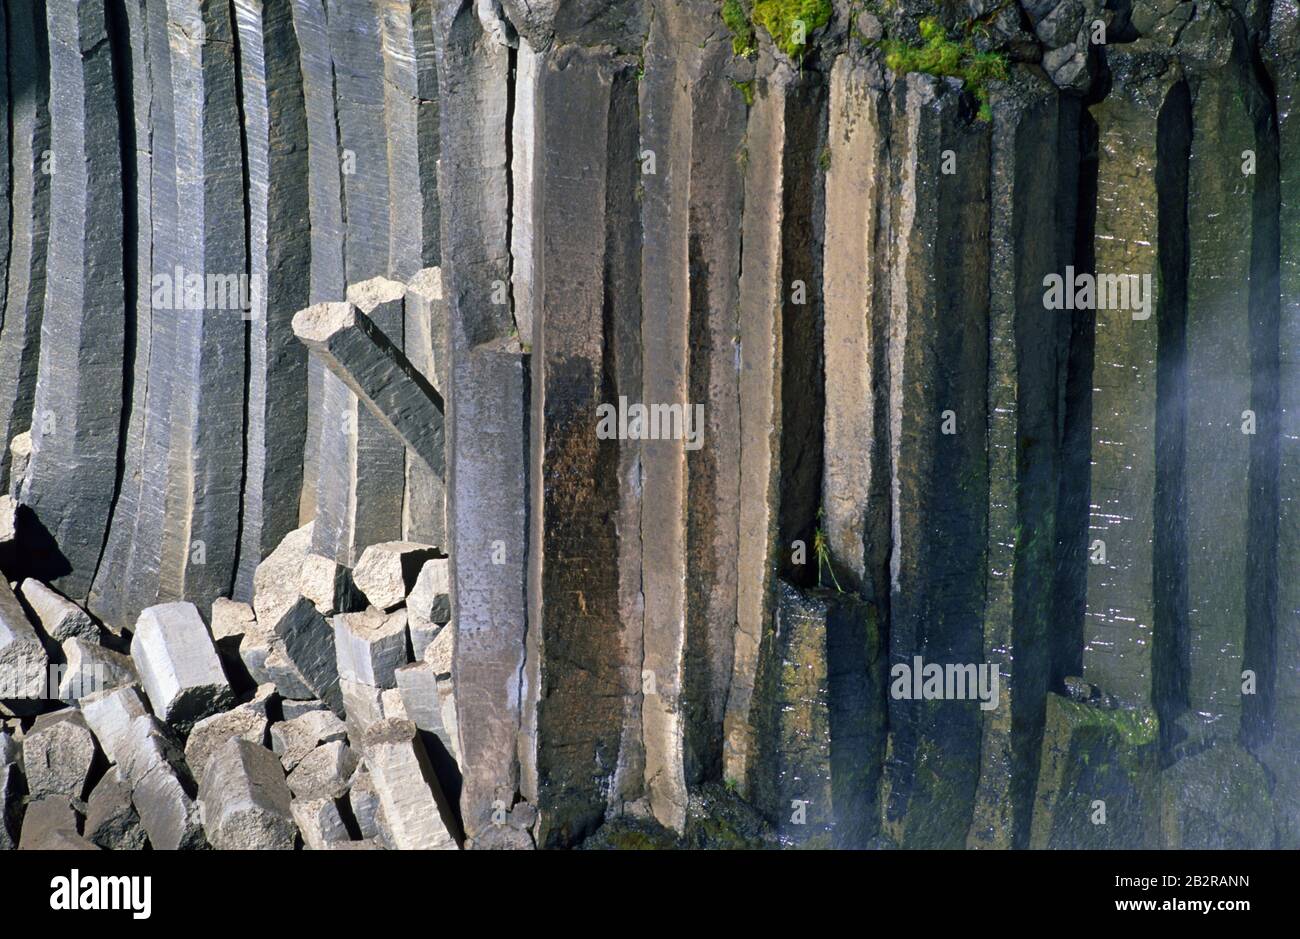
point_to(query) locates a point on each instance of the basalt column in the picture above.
(29, 134)
(585, 181)
(855, 485)
(108, 592)
(325, 211)
(486, 419)
(1028, 187)
(692, 131)
(1141, 187)
(1282, 59)
(275, 126)
(205, 464)
(938, 358)
(78, 405)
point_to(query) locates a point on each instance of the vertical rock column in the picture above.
(108, 594)
(401, 112)
(200, 541)
(692, 133)
(1025, 190)
(78, 406)
(325, 211)
(424, 512)
(6, 193)
(855, 491)
(586, 136)
(938, 360)
(1122, 621)
(275, 127)
(487, 421)
(29, 133)
(1283, 59)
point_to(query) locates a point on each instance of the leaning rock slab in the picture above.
(58, 616)
(247, 722)
(91, 669)
(245, 801)
(178, 665)
(161, 788)
(320, 823)
(414, 806)
(109, 714)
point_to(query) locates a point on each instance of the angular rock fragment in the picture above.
(291, 709)
(245, 801)
(59, 617)
(20, 457)
(324, 773)
(111, 820)
(319, 822)
(366, 809)
(230, 620)
(110, 714)
(294, 738)
(370, 645)
(428, 605)
(22, 657)
(248, 722)
(415, 810)
(58, 753)
(91, 669)
(440, 653)
(77, 410)
(418, 686)
(178, 665)
(390, 701)
(162, 790)
(363, 704)
(328, 585)
(307, 642)
(1096, 754)
(51, 824)
(388, 572)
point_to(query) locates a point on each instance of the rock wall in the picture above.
(725, 368)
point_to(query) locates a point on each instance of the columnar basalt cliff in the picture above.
(650, 423)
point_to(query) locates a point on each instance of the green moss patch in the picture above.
(948, 58)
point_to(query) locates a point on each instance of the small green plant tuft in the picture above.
(791, 22)
(742, 30)
(822, 549)
(747, 91)
(945, 57)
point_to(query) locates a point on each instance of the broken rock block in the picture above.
(290, 709)
(179, 666)
(419, 689)
(370, 646)
(390, 702)
(415, 809)
(22, 657)
(320, 823)
(389, 571)
(162, 790)
(58, 753)
(245, 801)
(428, 606)
(92, 669)
(1215, 800)
(247, 722)
(111, 820)
(293, 739)
(1097, 782)
(324, 773)
(366, 809)
(307, 642)
(231, 621)
(57, 616)
(328, 585)
(50, 824)
(109, 714)
(363, 704)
